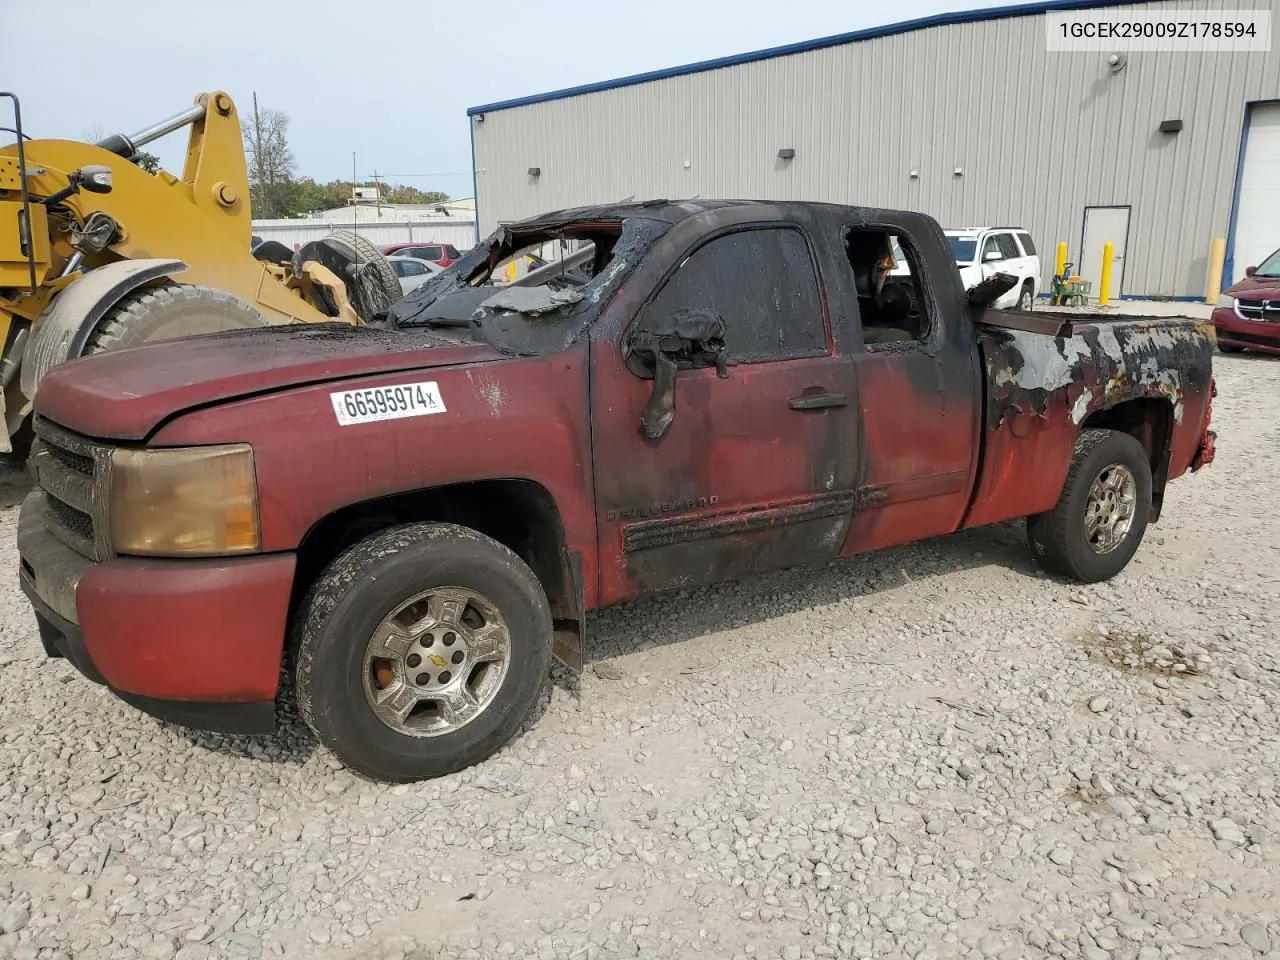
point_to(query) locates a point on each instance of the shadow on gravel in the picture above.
(292, 744)
(15, 482)
(1253, 356)
(641, 625)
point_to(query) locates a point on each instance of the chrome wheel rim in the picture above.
(1110, 508)
(436, 662)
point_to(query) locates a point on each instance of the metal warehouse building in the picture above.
(964, 116)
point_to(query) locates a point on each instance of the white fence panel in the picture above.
(294, 233)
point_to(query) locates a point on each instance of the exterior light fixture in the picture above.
(535, 171)
(1170, 126)
(787, 153)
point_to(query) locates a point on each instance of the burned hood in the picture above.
(126, 394)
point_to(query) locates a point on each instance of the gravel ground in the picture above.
(928, 752)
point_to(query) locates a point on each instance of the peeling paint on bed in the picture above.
(1095, 367)
(1081, 407)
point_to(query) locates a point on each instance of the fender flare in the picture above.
(62, 330)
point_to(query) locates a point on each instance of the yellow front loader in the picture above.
(97, 253)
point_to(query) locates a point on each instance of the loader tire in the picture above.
(167, 311)
(376, 285)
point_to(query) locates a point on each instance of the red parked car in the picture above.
(441, 253)
(1248, 315)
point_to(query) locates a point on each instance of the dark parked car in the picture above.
(1248, 315)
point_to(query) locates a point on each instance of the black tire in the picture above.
(1026, 300)
(169, 310)
(1058, 536)
(376, 285)
(365, 585)
(1229, 348)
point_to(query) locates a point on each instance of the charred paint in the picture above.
(1042, 390)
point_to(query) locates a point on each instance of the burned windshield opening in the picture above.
(531, 289)
(568, 255)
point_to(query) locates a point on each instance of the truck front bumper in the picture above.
(194, 642)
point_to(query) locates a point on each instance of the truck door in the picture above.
(754, 471)
(918, 377)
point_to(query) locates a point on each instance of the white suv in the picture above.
(982, 251)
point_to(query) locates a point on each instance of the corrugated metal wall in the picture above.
(461, 233)
(1039, 135)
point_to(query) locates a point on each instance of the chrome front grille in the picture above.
(74, 474)
(1268, 310)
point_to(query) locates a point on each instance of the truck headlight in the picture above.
(1226, 300)
(184, 501)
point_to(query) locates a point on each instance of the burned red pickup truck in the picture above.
(416, 518)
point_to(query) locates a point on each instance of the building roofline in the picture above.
(804, 46)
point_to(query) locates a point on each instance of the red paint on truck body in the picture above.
(208, 630)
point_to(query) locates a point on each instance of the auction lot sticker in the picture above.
(387, 403)
(1116, 29)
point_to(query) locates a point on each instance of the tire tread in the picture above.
(333, 586)
(1051, 533)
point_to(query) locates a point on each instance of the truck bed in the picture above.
(1060, 324)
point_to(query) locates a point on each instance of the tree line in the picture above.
(275, 192)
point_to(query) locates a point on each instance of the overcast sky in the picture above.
(390, 82)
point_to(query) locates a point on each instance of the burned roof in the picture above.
(673, 211)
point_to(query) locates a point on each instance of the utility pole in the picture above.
(377, 191)
(258, 160)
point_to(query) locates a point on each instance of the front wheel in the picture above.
(1025, 299)
(1095, 528)
(1229, 347)
(421, 650)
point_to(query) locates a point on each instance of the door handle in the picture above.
(818, 401)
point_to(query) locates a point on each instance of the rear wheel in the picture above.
(169, 310)
(1097, 524)
(421, 650)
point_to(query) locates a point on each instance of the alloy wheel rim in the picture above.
(1110, 508)
(436, 662)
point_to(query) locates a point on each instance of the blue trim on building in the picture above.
(822, 43)
(1229, 262)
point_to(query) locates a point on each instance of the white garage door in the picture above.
(1258, 206)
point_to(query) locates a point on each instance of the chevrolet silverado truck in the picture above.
(414, 518)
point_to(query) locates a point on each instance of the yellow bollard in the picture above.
(1060, 265)
(1213, 280)
(1104, 282)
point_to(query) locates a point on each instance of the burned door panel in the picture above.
(919, 393)
(752, 472)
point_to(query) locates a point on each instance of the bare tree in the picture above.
(266, 145)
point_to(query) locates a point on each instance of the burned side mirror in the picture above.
(686, 338)
(984, 294)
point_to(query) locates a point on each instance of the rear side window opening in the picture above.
(891, 303)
